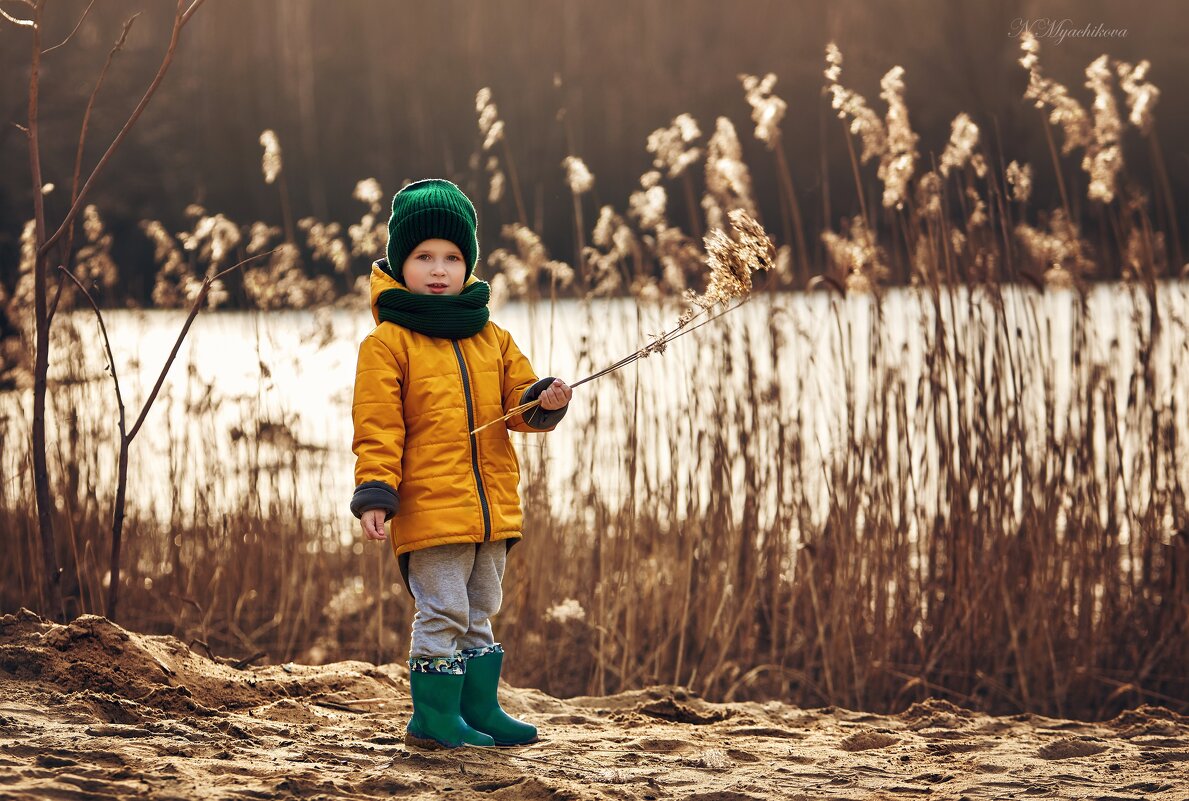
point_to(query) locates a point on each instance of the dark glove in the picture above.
(536, 417)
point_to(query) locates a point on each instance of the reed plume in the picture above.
(1019, 178)
(899, 160)
(959, 150)
(728, 179)
(767, 110)
(1104, 154)
(865, 123)
(673, 148)
(731, 261)
(1044, 92)
(578, 177)
(270, 160)
(369, 237)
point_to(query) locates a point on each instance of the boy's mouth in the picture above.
(437, 287)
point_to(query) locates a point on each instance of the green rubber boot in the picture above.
(479, 707)
(436, 722)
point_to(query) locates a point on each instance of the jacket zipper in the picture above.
(466, 391)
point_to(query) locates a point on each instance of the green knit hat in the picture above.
(431, 209)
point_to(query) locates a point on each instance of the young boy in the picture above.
(433, 370)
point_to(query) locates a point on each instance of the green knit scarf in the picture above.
(443, 316)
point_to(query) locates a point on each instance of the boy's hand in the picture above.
(373, 524)
(556, 396)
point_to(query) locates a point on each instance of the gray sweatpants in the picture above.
(457, 588)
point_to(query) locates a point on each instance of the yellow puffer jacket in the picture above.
(417, 398)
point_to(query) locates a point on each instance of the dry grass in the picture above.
(985, 523)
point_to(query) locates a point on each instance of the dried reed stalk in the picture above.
(731, 262)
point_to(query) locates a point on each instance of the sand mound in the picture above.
(89, 710)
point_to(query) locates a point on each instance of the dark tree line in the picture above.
(369, 88)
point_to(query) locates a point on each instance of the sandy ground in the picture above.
(89, 710)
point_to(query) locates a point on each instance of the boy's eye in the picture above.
(454, 257)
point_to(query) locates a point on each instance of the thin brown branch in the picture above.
(179, 22)
(70, 36)
(23, 23)
(111, 359)
(49, 320)
(177, 345)
(41, 480)
(68, 248)
(189, 12)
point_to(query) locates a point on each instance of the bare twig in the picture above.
(43, 315)
(194, 309)
(240, 664)
(111, 359)
(210, 654)
(190, 11)
(70, 36)
(126, 436)
(24, 23)
(180, 20)
(338, 706)
(68, 248)
(41, 480)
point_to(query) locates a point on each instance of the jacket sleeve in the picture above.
(379, 440)
(520, 385)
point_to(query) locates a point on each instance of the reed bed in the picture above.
(984, 500)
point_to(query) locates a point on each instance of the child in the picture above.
(433, 370)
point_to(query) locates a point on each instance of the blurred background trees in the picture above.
(361, 89)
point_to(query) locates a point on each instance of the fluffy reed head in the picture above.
(1141, 95)
(524, 266)
(1060, 252)
(673, 148)
(1064, 111)
(1019, 178)
(864, 122)
(861, 263)
(960, 149)
(731, 260)
(369, 237)
(728, 179)
(767, 110)
(577, 175)
(648, 204)
(893, 141)
(1104, 154)
(270, 161)
(490, 124)
(898, 162)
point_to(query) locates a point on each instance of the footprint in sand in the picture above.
(866, 740)
(1068, 748)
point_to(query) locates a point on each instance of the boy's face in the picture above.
(435, 267)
